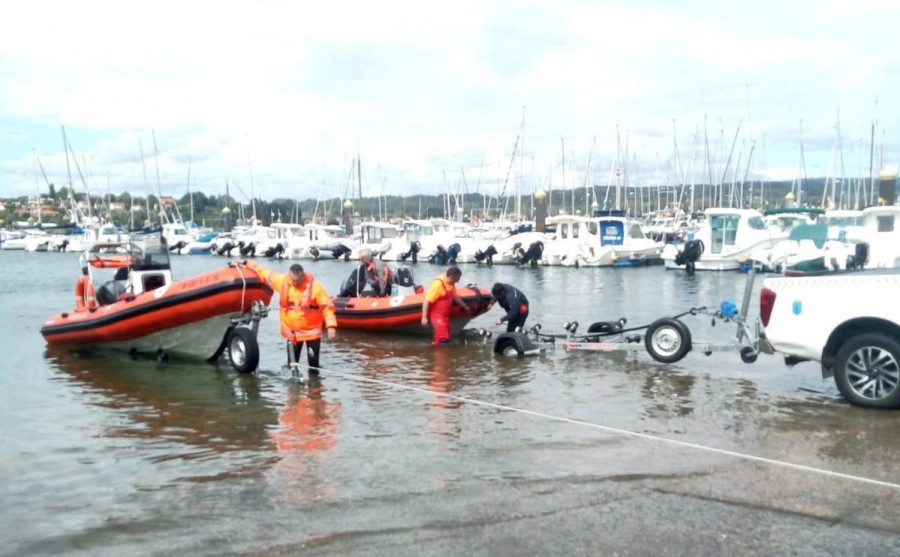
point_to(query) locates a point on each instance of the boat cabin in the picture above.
(122, 269)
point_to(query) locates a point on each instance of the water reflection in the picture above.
(203, 411)
(307, 433)
(308, 422)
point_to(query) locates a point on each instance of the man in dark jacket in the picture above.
(514, 302)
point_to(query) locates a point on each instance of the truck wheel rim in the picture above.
(873, 373)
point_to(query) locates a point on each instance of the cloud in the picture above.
(426, 94)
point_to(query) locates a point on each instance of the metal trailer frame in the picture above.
(667, 339)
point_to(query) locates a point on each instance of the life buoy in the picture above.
(110, 262)
(84, 294)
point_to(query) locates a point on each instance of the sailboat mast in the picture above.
(144, 171)
(163, 216)
(190, 193)
(252, 186)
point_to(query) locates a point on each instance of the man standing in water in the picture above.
(305, 307)
(439, 301)
(514, 302)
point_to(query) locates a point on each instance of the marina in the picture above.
(398, 446)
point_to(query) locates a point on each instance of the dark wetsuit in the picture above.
(516, 305)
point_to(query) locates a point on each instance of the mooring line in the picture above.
(618, 431)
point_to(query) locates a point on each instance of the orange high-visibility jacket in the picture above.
(303, 310)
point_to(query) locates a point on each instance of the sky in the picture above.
(279, 98)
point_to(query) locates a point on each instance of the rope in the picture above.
(620, 431)
(244, 287)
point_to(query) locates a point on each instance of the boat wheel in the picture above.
(243, 350)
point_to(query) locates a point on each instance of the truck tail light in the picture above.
(766, 303)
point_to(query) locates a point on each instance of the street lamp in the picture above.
(347, 219)
(540, 198)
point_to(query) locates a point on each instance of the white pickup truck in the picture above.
(848, 321)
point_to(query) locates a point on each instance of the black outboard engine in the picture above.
(452, 252)
(62, 245)
(351, 287)
(405, 277)
(178, 246)
(859, 259)
(486, 256)
(341, 251)
(226, 249)
(249, 249)
(413, 252)
(690, 254)
(531, 256)
(276, 250)
(439, 257)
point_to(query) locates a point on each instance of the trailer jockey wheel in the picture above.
(748, 355)
(243, 350)
(668, 340)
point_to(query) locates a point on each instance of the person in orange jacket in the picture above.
(305, 307)
(439, 300)
(84, 291)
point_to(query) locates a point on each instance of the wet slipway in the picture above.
(403, 449)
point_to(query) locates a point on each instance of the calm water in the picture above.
(102, 455)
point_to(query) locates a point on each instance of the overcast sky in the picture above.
(283, 95)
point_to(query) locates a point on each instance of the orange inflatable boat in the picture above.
(403, 312)
(141, 309)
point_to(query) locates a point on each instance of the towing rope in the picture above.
(618, 431)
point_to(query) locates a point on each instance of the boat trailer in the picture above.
(667, 339)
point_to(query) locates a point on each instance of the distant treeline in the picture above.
(207, 210)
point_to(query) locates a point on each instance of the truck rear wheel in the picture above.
(867, 370)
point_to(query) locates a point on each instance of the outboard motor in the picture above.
(452, 252)
(486, 256)
(690, 254)
(413, 252)
(178, 246)
(341, 251)
(352, 286)
(226, 249)
(249, 249)
(533, 255)
(276, 250)
(62, 245)
(439, 257)
(861, 256)
(405, 282)
(314, 253)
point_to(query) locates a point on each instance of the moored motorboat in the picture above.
(141, 309)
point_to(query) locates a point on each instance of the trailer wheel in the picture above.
(867, 370)
(667, 340)
(513, 344)
(243, 350)
(748, 355)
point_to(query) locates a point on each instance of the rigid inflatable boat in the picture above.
(403, 312)
(140, 308)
